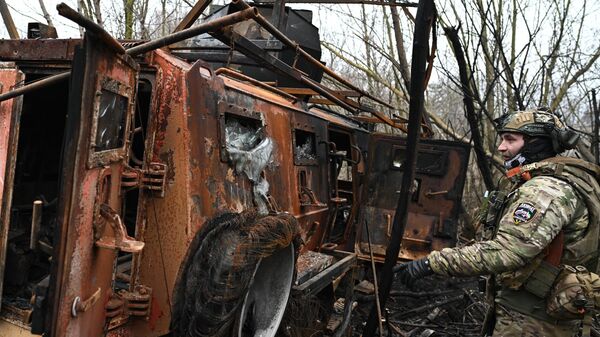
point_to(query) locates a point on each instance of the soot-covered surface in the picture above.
(436, 307)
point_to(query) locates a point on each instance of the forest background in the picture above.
(518, 55)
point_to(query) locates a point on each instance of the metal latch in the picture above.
(83, 306)
(152, 179)
(308, 198)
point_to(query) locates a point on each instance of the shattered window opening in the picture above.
(345, 171)
(429, 162)
(242, 133)
(250, 152)
(112, 113)
(305, 152)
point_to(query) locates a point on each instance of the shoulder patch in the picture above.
(524, 212)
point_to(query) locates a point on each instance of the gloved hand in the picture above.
(411, 271)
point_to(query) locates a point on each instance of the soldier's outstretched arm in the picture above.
(535, 214)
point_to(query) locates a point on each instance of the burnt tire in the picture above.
(216, 278)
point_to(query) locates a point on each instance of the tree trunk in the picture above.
(404, 68)
(8, 21)
(468, 93)
(45, 13)
(423, 24)
(366, 39)
(98, 12)
(128, 15)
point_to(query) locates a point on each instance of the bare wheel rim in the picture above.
(267, 296)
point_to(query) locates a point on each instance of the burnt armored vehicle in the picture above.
(122, 183)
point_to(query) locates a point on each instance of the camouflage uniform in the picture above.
(549, 215)
(532, 215)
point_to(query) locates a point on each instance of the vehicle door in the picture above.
(436, 196)
(10, 110)
(95, 152)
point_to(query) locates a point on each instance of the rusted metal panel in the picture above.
(167, 228)
(262, 94)
(10, 112)
(83, 268)
(433, 211)
(38, 50)
(187, 134)
(304, 190)
(284, 122)
(312, 193)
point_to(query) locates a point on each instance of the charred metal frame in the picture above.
(321, 280)
(231, 38)
(213, 25)
(261, 20)
(247, 47)
(240, 76)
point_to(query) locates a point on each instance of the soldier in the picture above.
(545, 214)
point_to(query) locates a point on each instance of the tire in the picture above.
(225, 281)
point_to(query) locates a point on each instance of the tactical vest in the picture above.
(525, 289)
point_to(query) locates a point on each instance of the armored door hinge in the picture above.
(152, 179)
(125, 304)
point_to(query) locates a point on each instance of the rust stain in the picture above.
(167, 158)
(155, 313)
(209, 146)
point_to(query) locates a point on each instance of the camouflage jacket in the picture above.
(533, 215)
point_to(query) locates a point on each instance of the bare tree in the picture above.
(524, 54)
(128, 14)
(8, 21)
(45, 13)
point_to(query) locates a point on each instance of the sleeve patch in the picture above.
(524, 212)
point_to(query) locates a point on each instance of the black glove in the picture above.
(411, 271)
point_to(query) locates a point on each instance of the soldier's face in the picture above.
(510, 144)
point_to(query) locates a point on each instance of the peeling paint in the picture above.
(209, 146)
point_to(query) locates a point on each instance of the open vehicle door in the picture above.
(434, 208)
(95, 151)
(10, 111)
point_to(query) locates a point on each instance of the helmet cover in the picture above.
(532, 123)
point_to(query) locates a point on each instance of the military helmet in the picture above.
(536, 123)
(532, 123)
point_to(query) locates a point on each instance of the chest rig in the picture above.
(527, 288)
(582, 176)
